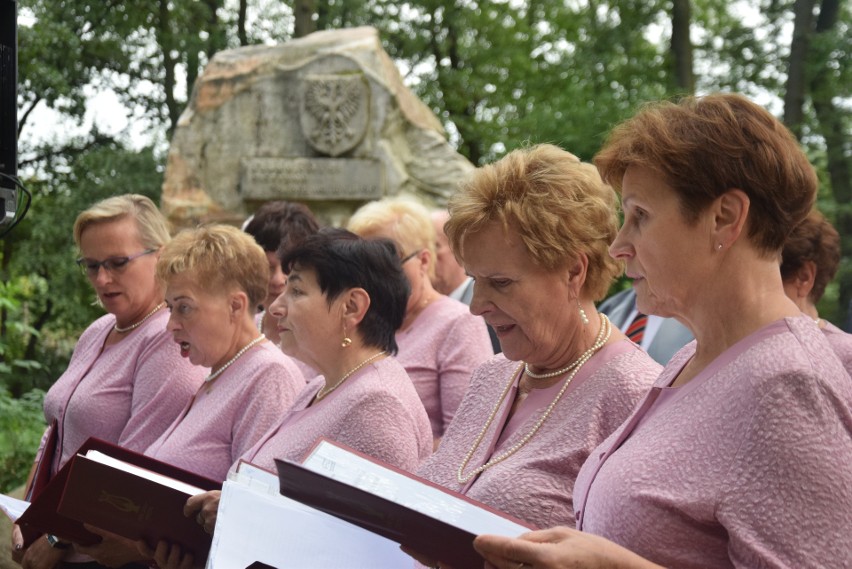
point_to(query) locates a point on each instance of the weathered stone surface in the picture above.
(324, 119)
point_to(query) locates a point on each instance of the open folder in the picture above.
(397, 505)
(121, 491)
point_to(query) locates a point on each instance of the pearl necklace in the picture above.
(209, 379)
(140, 323)
(602, 338)
(325, 391)
(565, 369)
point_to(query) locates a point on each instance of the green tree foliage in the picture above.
(21, 427)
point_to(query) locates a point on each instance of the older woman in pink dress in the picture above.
(440, 341)
(739, 456)
(533, 231)
(344, 300)
(215, 277)
(126, 381)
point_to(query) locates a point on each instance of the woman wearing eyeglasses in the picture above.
(440, 341)
(126, 381)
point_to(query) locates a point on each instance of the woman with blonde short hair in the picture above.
(126, 382)
(440, 342)
(533, 230)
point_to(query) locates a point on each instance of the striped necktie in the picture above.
(636, 330)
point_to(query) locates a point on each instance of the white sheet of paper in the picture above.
(13, 507)
(254, 524)
(188, 489)
(360, 472)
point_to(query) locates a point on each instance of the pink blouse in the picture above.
(220, 423)
(535, 483)
(747, 465)
(439, 351)
(126, 393)
(376, 411)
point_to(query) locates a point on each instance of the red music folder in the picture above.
(395, 504)
(121, 502)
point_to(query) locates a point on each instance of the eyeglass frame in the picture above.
(92, 268)
(408, 257)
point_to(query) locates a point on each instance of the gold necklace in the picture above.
(603, 337)
(140, 323)
(325, 391)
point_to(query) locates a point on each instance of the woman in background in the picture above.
(809, 261)
(440, 342)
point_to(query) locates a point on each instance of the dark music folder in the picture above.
(41, 476)
(121, 502)
(329, 480)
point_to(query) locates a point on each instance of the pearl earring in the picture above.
(719, 247)
(583, 316)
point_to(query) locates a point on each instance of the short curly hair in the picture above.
(557, 204)
(219, 257)
(705, 146)
(815, 239)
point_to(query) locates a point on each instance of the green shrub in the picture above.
(21, 428)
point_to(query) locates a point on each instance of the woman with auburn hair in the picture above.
(533, 230)
(739, 456)
(126, 381)
(809, 261)
(440, 341)
(215, 277)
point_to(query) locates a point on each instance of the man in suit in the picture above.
(660, 337)
(450, 278)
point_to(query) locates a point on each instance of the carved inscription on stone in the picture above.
(311, 179)
(334, 111)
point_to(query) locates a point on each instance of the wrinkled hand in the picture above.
(204, 507)
(113, 550)
(40, 555)
(557, 548)
(167, 555)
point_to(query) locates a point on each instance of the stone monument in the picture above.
(324, 120)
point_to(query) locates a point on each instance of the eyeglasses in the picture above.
(408, 257)
(110, 265)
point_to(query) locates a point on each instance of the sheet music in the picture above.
(13, 507)
(254, 525)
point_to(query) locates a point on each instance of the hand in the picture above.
(17, 544)
(113, 550)
(166, 556)
(40, 555)
(205, 508)
(557, 548)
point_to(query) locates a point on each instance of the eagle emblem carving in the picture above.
(334, 112)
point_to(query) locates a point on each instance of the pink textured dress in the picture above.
(747, 465)
(126, 393)
(439, 351)
(535, 483)
(841, 342)
(376, 411)
(221, 423)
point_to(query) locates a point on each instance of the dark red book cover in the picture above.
(73, 496)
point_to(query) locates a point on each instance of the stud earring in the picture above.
(583, 316)
(719, 247)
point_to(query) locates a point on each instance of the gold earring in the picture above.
(347, 341)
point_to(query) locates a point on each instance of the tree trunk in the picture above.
(794, 95)
(165, 41)
(681, 47)
(838, 152)
(304, 11)
(241, 22)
